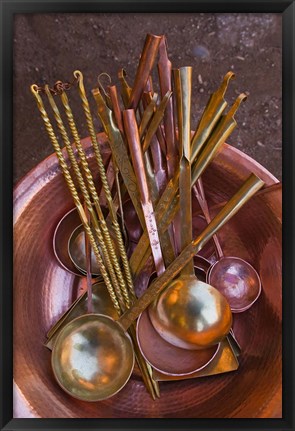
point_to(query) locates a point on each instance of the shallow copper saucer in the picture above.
(61, 236)
(44, 290)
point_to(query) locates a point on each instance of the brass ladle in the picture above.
(114, 290)
(173, 361)
(93, 358)
(234, 277)
(190, 313)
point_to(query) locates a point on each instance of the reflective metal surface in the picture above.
(191, 314)
(165, 357)
(101, 303)
(253, 391)
(71, 355)
(92, 357)
(61, 236)
(237, 280)
(77, 253)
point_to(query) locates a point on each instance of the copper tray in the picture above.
(43, 290)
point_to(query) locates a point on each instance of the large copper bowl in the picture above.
(43, 290)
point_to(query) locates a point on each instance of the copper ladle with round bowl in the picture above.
(93, 357)
(235, 278)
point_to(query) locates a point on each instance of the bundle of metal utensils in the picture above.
(149, 304)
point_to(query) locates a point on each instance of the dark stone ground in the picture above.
(50, 47)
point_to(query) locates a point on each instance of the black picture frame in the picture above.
(8, 9)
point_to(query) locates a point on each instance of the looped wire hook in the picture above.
(100, 84)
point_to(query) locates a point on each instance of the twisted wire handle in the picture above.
(74, 193)
(104, 181)
(91, 186)
(105, 245)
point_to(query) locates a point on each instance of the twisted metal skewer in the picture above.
(104, 181)
(107, 250)
(75, 196)
(93, 192)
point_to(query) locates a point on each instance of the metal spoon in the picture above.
(235, 278)
(166, 357)
(204, 313)
(77, 251)
(163, 356)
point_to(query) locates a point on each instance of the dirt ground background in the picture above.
(49, 47)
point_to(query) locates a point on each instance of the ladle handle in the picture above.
(88, 265)
(210, 117)
(200, 195)
(147, 60)
(132, 135)
(183, 84)
(248, 189)
(165, 80)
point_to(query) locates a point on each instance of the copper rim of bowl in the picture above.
(58, 257)
(75, 233)
(53, 368)
(246, 307)
(177, 349)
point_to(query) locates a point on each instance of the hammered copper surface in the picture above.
(43, 290)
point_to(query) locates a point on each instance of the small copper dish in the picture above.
(63, 231)
(166, 358)
(238, 281)
(77, 254)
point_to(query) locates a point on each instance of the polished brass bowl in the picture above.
(43, 290)
(87, 357)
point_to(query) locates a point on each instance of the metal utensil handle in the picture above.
(211, 115)
(133, 139)
(183, 80)
(75, 196)
(104, 237)
(147, 59)
(88, 266)
(165, 79)
(248, 189)
(101, 231)
(200, 195)
(119, 152)
(156, 121)
(220, 134)
(223, 129)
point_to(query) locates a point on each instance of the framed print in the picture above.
(147, 215)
